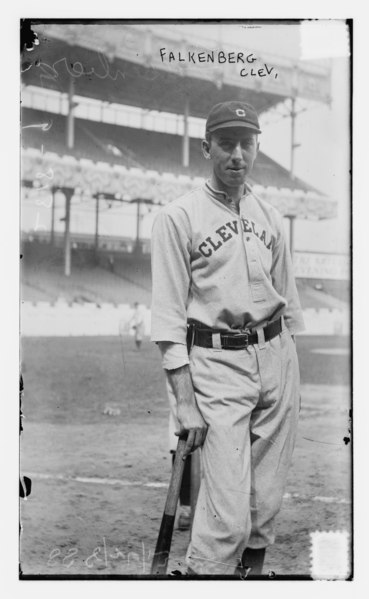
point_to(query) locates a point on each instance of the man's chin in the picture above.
(235, 178)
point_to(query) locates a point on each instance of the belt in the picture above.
(204, 337)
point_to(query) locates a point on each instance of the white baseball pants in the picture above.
(250, 400)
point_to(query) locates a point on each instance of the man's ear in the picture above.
(205, 146)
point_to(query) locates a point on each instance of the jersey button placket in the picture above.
(255, 272)
(252, 259)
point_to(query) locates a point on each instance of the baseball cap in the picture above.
(232, 114)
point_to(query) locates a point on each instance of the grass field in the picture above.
(99, 481)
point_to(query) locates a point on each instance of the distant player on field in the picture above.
(138, 325)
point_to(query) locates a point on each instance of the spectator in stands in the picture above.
(138, 325)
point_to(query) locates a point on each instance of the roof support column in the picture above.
(292, 234)
(186, 139)
(68, 192)
(97, 199)
(138, 248)
(67, 246)
(293, 114)
(70, 115)
(52, 225)
(293, 143)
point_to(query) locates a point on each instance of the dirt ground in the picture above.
(99, 480)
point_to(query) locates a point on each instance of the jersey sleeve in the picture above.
(284, 282)
(171, 275)
(174, 355)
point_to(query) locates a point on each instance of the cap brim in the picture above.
(241, 124)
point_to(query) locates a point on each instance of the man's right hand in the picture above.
(192, 423)
(188, 414)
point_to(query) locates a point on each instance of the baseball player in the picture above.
(223, 282)
(138, 325)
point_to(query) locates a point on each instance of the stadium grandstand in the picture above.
(139, 148)
(108, 136)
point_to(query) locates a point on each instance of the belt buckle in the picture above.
(243, 334)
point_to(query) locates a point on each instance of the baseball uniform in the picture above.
(138, 325)
(227, 269)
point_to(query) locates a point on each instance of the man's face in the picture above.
(233, 151)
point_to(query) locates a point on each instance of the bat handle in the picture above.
(195, 480)
(176, 479)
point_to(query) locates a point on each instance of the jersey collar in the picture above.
(223, 197)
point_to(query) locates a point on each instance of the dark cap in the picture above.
(232, 114)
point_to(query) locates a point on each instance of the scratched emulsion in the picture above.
(28, 41)
(74, 446)
(28, 37)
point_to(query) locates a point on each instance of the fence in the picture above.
(88, 319)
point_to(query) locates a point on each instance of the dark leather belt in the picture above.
(198, 335)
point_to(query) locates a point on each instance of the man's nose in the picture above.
(237, 152)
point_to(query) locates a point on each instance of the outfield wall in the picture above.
(88, 319)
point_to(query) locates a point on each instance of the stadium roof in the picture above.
(122, 63)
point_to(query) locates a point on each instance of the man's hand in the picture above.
(191, 422)
(188, 414)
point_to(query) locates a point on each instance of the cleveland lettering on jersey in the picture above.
(228, 231)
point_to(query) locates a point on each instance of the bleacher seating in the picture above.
(137, 272)
(137, 148)
(44, 280)
(338, 289)
(125, 278)
(129, 280)
(30, 292)
(320, 298)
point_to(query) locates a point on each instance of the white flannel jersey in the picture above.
(225, 270)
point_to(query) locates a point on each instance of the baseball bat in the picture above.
(195, 480)
(162, 549)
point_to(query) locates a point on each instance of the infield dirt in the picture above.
(99, 481)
